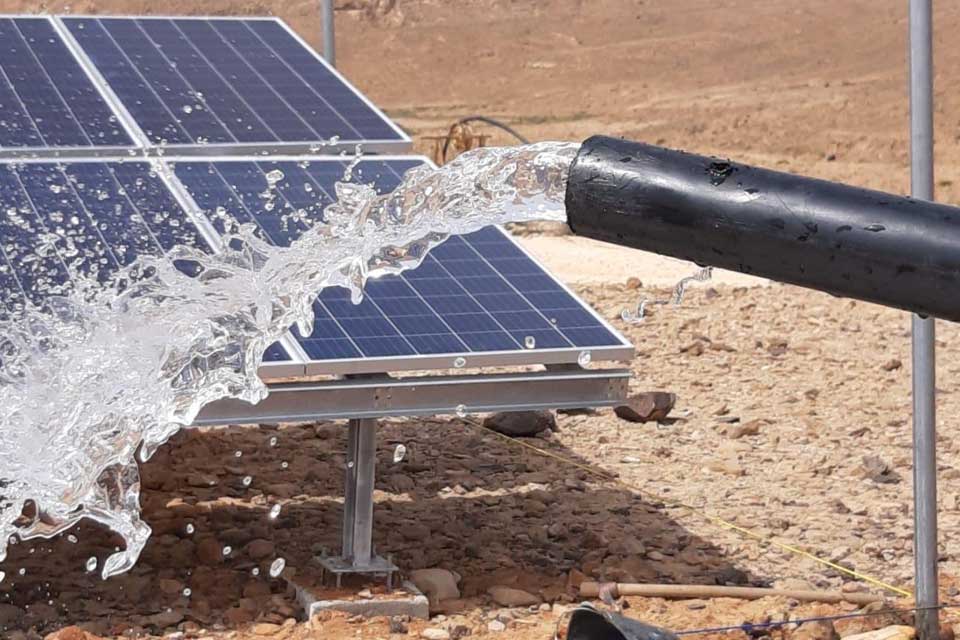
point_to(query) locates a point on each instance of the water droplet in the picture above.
(91, 564)
(227, 550)
(187, 592)
(350, 464)
(273, 441)
(277, 567)
(461, 411)
(189, 529)
(247, 480)
(255, 571)
(584, 358)
(284, 464)
(22, 572)
(460, 363)
(237, 453)
(187, 109)
(399, 454)
(275, 176)
(274, 511)
(72, 539)
(3, 576)
(530, 342)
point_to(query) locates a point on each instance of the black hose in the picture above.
(847, 241)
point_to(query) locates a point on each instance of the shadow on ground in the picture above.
(461, 499)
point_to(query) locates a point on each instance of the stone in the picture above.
(237, 616)
(259, 549)
(256, 589)
(893, 632)
(209, 551)
(70, 633)
(397, 625)
(650, 406)
(892, 365)
(437, 584)
(435, 633)
(202, 480)
(170, 587)
(521, 424)
(266, 629)
(737, 431)
(165, 619)
(818, 630)
(510, 597)
(495, 626)
(879, 471)
(778, 347)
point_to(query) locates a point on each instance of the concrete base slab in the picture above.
(406, 601)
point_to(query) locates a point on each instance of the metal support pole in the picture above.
(329, 43)
(358, 505)
(924, 357)
(357, 554)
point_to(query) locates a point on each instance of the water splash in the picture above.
(679, 291)
(105, 376)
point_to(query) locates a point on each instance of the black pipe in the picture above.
(847, 241)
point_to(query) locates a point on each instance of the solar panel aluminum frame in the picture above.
(623, 352)
(313, 147)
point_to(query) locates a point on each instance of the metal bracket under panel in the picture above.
(385, 396)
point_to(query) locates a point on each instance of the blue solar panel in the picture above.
(223, 81)
(46, 99)
(89, 219)
(474, 293)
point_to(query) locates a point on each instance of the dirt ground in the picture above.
(815, 87)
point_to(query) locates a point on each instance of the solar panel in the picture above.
(473, 294)
(60, 222)
(231, 90)
(46, 98)
(206, 81)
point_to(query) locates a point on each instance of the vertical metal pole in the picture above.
(924, 357)
(358, 504)
(329, 43)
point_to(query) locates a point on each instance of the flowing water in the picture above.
(105, 375)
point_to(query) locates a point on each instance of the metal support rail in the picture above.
(384, 396)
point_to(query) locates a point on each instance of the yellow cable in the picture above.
(703, 514)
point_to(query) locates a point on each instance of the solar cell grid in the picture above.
(46, 99)
(199, 81)
(217, 87)
(89, 219)
(477, 293)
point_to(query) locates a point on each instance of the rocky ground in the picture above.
(792, 414)
(791, 419)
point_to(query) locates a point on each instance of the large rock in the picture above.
(71, 633)
(259, 549)
(437, 584)
(816, 630)
(510, 597)
(895, 632)
(521, 424)
(648, 406)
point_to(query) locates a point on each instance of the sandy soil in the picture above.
(815, 87)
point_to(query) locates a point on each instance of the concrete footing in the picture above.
(405, 601)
